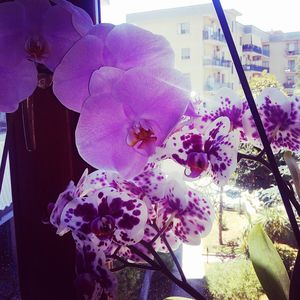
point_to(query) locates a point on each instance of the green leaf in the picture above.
(268, 265)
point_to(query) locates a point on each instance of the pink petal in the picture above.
(71, 80)
(101, 137)
(12, 35)
(17, 83)
(128, 46)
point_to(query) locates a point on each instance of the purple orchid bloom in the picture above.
(225, 104)
(128, 115)
(281, 119)
(212, 150)
(34, 31)
(123, 47)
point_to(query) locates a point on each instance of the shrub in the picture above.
(234, 280)
(288, 256)
(129, 283)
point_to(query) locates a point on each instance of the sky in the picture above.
(265, 14)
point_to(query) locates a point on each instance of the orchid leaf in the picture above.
(268, 265)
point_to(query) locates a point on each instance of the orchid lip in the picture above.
(103, 227)
(141, 137)
(36, 48)
(197, 163)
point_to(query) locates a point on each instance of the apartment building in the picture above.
(201, 51)
(285, 49)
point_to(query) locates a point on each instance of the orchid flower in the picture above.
(281, 120)
(31, 32)
(106, 216)
(210, 151)
(92, 274)
(186, 213)
(122, 46)
(128, 115)
(70, 193)
(225, 103)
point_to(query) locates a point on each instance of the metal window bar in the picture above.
(3, 162)
(286, 195)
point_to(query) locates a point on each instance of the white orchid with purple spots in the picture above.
(209, 151)
(280, 117)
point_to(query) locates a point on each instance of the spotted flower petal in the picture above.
(212, 150)
(189, 213)
(281, 119)
(226, 103)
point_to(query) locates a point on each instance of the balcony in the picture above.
(255, 68)
(292, 52)
(290, 69)
(217, 62)
(256, 49)
(289, 85)
(209, 87)
(214, 36)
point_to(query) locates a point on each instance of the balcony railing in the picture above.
(256, 49)
(255, 68)
(213, 35)
(216, 86)
(290, 69)
(292, 52)
(289, 85)
(217, 62)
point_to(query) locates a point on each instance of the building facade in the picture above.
(201, 51)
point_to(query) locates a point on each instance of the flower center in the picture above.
(36, 48)
(197, 163)
(103, 227)
(142, 138)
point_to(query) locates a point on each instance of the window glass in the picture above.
(268, 49)
(185, 53)
(184, 28)
(9, 285)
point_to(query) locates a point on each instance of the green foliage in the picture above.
(259, 83)
(268, 265)
(288, 256)
(130, 281)
(234, 280)
(275, 222)
(161, 286)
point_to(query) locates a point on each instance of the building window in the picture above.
(185, 53)
(265, 64)
(184, 28)
(291, 65)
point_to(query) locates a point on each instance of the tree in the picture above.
(259, 83)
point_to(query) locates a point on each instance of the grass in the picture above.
(236, 225)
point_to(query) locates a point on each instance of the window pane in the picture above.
(9, 284)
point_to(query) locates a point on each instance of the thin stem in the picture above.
(257, 158)
(163, 269)
(128, 264)
(144, 256)
(283, 188)
(178, 266)
(262, 161)
(163, 229)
